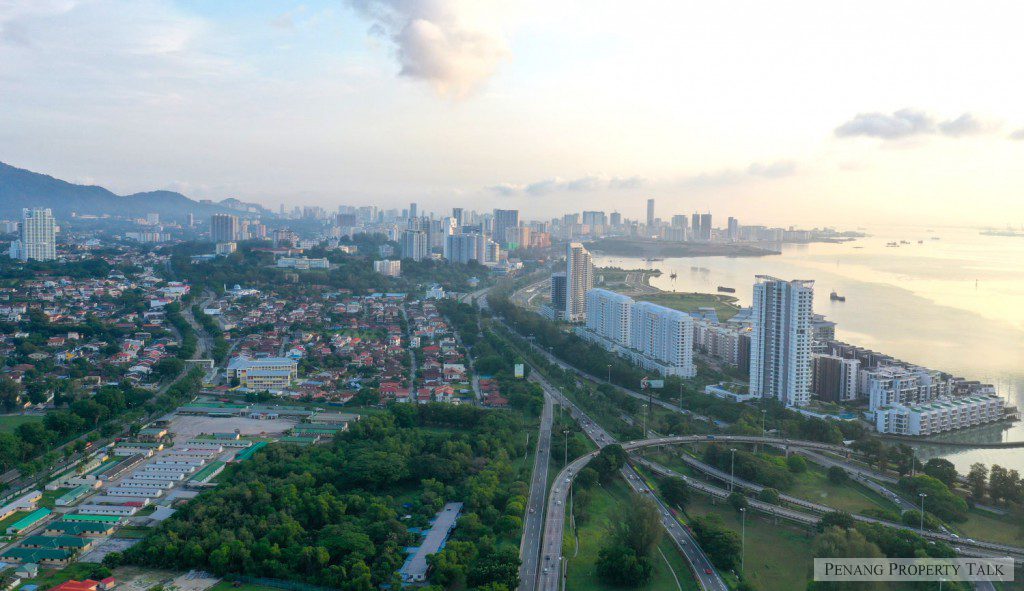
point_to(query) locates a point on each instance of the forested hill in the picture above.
(23, 188)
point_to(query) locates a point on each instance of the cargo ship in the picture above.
(726, 289)
(835, 297)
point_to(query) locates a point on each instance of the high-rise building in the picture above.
(650, 214)
(224, 227)
(190, 220)
(835, 378)
(664, 335)
(579, 279)
(457, 214)
(414, 245)
(596, 220)
(679, 221)
(608, 315)
(463, 248)
(558, 289)
(37, 239)
(412, 211)
(733, 230)
(615, 219)
(705, 227)
(388, 268)
(695, 226)
(503, 220)
(780, 349)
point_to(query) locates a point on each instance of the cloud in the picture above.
(965, 124)
(436, 42)
(1017, 135)
(907, 123)
(731, 176)
(901, 124)
(579, 185)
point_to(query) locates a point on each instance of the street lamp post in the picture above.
(732, 467)
(922, 495)
(565, 458)
(743, 539)
(609, 373)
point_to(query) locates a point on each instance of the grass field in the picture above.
(724, 305)
(982, 525)
(851, 497)
(581, 573)
(50, 497)
(8, 423)
(777, 556)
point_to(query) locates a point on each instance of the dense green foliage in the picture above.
(940, 501)
(721, 544)
(749, 466)
(327, 514)
(625, 559)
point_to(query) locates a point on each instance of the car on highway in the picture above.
(707, 571)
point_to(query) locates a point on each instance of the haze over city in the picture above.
(804, 112)
(511, 295)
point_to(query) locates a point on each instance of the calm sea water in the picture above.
(950, 299)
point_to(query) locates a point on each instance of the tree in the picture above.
(839, 519)
(837, 542)
(621, 566)
(942, 470)
(837, 476)
(722, 545)
(977, 481)
(608, 461)
(639, 527)
(500, 567)
(796, 464)
(10, 394)
(768, 495)
(675, 491)
(738, 501)
(941, 501)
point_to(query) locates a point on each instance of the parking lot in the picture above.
(185, 427)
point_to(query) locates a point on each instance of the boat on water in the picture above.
(672, 276)
(724, 289)
(653, 260)
(892, 244)
(835, 297)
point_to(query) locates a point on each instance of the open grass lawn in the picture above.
(8, 423)
(851, 497)
(50, 497)
(724, 305)
(778, 557)
(582, 566)
(982, 525)
(50, 577)
(7, 521)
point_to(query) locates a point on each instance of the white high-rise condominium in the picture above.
(579, 279)
(781, 366)
(463, 248)
(414, 245)
(608, 315)
(38, 236)
(663, 334)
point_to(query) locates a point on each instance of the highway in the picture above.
(533, 521)
(551, 577)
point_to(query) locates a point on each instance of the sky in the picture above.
(796, 112)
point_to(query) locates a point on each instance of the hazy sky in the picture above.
(798, 111)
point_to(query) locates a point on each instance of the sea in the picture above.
(950, 299)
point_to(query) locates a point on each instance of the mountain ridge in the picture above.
(20, 188)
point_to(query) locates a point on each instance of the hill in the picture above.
(23, 188)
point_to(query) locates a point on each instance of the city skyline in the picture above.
(525, 116)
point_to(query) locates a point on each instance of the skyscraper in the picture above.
(503, 220)
(616, 219)
(733, 231)
(650, 214)
(457, 214)
(705, 227)
(695, 226)
(558, 290)
(37, 236)
(463, 248)
(412, 211)
(780, 350)
(579, 279)
(224, 227)
(414, 245)
(608, 315)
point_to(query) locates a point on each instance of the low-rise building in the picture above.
(939, 415)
